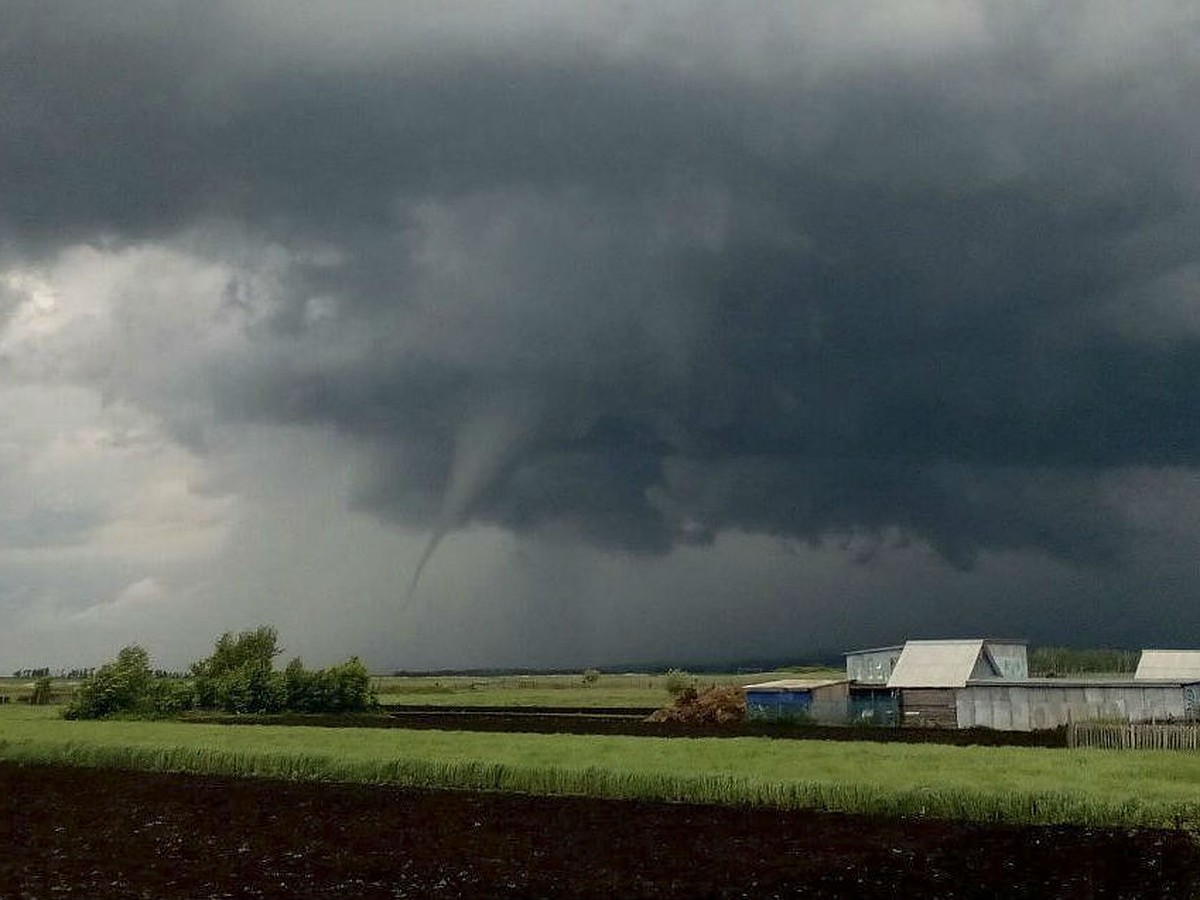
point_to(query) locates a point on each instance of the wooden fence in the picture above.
(1134, 735)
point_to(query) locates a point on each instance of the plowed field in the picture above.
(102, 834)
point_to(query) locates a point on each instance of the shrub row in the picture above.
(239, 677)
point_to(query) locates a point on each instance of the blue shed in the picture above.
(797, 699)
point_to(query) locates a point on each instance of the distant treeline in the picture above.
(736, 667)
(80, 674)
(1048, 662)
(47, 672)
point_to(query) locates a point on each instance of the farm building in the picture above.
(929, 675)
(793, 699)
(872, 666)
(871, 701)
(982, 682)
(915, 683)
(1036, 703)
(1170, 664)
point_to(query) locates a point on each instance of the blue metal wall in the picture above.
(778, 705)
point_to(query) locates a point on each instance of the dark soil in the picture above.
(555, 720)
(103, 834)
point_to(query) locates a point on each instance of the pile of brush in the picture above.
(713, 705)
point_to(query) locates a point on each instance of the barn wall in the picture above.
(1010, 658)
(831, 703)
(1035, 706)
(832, 693)
(778, 705)
(873, 667)
(828, 703)
(928, 707)
(874, 706)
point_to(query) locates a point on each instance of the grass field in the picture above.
(1009, 784)
(18, 689)
(556, 690)
(507, 690)
(15, 688)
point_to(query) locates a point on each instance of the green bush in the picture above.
(119, 686)
(341, 688)
(171, 696)
(239, 677)
(679, 681)
(251, 688)
(1058, 661)
(41, 692)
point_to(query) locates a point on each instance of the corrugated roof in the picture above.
(873, 650)
(1101, 681)
(794, 684)
(1168, 664)
(936, 664)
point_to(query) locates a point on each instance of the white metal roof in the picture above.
(936, 664)
(1098, 681)
(873, 650)
(1172, 664)
(794, 684)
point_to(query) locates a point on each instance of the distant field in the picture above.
(504, 690)
(557, 690)
(19, 689)
(1019, 785)
(16, 687)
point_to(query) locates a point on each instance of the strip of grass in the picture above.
(991, 784)
(553, 690)
(522, 697)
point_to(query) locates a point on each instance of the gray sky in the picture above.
(678, 331)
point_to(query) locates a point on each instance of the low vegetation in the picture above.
(605, 689)
(992, 784)
(1051, 662)
(713, 705)
(125, 685)
(42, 693)
(239, 677)
(679, 681)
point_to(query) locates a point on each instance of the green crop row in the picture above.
(1011, 807)
(987, 784)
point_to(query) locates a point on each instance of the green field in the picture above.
(633, 689)
(16, 688)
(1020, 785)
(19, 689)
(556, 690)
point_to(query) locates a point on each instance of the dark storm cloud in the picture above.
(886, 291)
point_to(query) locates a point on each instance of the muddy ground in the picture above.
(571, 720)
(103, 834)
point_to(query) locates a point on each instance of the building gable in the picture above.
(1182, 665)
(938, 664)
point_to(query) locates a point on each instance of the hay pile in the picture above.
(714, 705)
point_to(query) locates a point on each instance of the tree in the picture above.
(341, 688)
(41, 692)
(258, 646)
(119, 686)
(239, 676)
